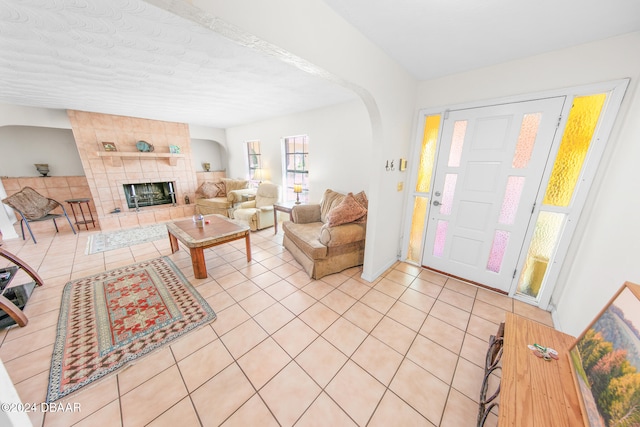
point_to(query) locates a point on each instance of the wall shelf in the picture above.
(115, 157)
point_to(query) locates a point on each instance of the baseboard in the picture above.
(377, 273)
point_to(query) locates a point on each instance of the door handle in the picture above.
(436, 203)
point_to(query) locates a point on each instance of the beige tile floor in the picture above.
(285, 350)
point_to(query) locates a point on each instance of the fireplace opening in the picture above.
(149, 194)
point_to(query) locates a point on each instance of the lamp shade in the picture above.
(297, 188)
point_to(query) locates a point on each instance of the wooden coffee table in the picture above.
(219, 230)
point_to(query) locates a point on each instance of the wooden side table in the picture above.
(285, 207)
(85, 221)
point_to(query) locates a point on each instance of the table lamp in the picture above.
(297, 188)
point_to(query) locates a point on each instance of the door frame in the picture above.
(568, 242)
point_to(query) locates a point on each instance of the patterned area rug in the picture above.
(123, 238)
(112, 318)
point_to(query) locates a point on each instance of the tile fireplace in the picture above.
(152, 176)
(139, 195)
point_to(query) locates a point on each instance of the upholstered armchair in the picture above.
(328, 237)
(258, 213)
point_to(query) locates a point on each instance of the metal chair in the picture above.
(32, 207)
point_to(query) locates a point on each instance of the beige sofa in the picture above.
(222, 196)
(328, 237)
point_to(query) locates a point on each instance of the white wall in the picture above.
(31, 135)
(31, 116)
(206, 150)
(9, 395)
(27, 145)
(208, 145)
(339, 147)
(606, 247)
(310, 35)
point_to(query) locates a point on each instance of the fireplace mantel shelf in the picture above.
(115, 157)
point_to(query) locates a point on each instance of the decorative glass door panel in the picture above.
(489, 167)
(561, 189)
(423, 186)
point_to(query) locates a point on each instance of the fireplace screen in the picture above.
(149, 194)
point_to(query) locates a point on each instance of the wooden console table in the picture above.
(534, 392)
(14, 298)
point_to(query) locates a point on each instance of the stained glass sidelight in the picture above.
(543, 243)
(511, 200)
(441, 238)
(574, 146)
(417, 228)
(526, 140)
(428, 153)
(450, 180)
(498, 248)
(457, 142)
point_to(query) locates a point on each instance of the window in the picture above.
(254, 160)
(296, 166)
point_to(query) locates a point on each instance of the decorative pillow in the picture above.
(234, 184)
(347, 211)
(361, 198)
(207, 190)
(221, 189)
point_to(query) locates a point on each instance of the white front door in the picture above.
(488, 172)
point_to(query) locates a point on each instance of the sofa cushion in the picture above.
(208, 190)
(222, 190)
(343, 235)
(214, 202)
(231, 184)
(361, 197)
(302, 214)
(330, 199)
(305, 237)
(266, 195)
(348, 210)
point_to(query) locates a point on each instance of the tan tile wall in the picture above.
(213, 176)
(59, 188)
(105, 180)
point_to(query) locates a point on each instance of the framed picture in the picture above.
(606, 362)
(109, 146)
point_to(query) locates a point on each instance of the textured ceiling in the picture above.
(131, 58)
(434, 38)
(127, 57)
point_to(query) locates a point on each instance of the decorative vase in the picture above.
(43, 168)
(144, 147)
